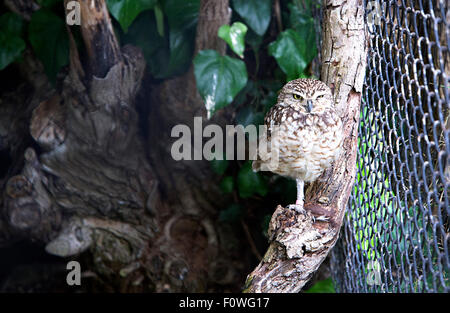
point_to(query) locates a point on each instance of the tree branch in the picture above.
(299, 243)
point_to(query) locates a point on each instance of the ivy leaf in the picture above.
(170, 55)
(11, 23)
(182, 16)
(234, 36)
(227, 184)
(250, 182)
(181, 46)
(11, 45)
(255, 13)
(125, 11)
(11, 48)
(302, 22)
(48, 37)
(291, 52)
(219, 78)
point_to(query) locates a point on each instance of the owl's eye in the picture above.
(320, 97)
(296, 97)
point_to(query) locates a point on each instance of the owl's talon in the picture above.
(324, 200)
(321, 218)
(297, 208)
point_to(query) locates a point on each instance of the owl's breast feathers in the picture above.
(307, 144)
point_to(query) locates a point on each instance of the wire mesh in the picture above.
(395, 235)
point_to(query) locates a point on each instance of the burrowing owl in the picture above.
(306, 131)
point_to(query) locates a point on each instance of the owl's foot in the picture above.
(321, 218)
(298, 207)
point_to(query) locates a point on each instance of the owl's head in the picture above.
(306, 95)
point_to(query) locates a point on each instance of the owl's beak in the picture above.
(309, 105)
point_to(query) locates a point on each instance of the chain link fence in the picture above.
(395, 236)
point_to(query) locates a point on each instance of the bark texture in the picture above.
(300, 243)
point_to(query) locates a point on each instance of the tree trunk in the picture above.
(299, 243)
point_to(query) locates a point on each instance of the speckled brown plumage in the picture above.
(305, 129)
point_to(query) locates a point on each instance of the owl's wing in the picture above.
(263, 152)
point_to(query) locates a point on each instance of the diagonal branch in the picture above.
(299, 243)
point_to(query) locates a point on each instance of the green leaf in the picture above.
(11, 24)
(234, 36)
(291, 52)
(11, 48)
(255, 13)
(227, 184)
(181, 45)
(11, 44)
(159, 16)
(125, 11)
(323, 286)
(170, 55)
(48, 37)
(219, 78)
(143, 33)
(302, 22)
(250, 182)
(219, 166)
(182, 16)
